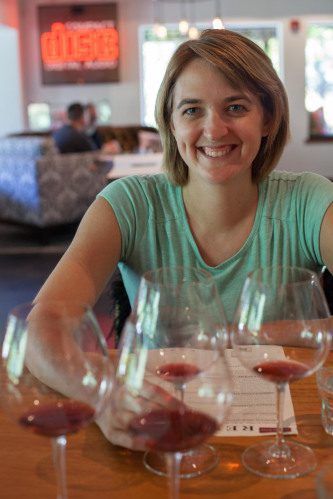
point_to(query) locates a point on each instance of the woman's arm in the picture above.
(326, 238)
(78, 279)
(76, 282)
(87, 265)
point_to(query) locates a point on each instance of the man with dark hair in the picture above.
(72, 137)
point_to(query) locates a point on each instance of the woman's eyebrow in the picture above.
(184, 102)
(231, 98)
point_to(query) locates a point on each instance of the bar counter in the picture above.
(97, 469)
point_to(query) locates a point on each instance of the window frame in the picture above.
(314, 138)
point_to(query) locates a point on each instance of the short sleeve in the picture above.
(130, 206)
(314, 196)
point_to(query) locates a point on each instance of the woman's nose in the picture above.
(215, 126)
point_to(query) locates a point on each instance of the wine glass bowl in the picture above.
(184, 347)
(183, 299)
(282, 333)
(56, 375)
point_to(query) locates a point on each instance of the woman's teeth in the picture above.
(216, 153)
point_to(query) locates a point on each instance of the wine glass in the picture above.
(185, 349)
(281, 332)
(56, 374)
(180, 289)
(174, 340)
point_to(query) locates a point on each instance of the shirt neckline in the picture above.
(249, 239)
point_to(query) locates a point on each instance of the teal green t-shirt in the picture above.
(155, 231)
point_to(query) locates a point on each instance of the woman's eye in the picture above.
(236, 108)
(190, 111)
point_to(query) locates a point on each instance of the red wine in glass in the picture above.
(282, 371)
(174, 431)
(178, 373)
(57, 418)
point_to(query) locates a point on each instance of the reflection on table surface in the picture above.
(95, 468)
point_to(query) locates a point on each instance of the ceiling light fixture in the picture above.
(183, 25)
(187, 9)
(217, 21)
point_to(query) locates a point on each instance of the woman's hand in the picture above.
(116, 417)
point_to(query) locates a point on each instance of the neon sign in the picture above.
(79, 43)
(89, 42)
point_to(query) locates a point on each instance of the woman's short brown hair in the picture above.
(245, 65)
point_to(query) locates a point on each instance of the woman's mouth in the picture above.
(217, 152)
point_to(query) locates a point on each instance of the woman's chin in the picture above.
(222, 175)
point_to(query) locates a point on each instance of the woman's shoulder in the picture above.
(138, 184)
(286, 188)
(283, 177)
(143, 192)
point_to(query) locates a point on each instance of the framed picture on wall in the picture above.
(79, 43)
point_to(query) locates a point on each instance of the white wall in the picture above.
(10, 82)
(11, 102)
(125, 95)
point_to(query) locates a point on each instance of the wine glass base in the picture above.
(194, 462)
(259, 460)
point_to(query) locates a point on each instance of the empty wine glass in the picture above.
(56, 374)
(282, 333)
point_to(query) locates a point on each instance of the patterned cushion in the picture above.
(27, 147)
(42, 188)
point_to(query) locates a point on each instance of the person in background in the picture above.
(149, 141)
(222, 114)
(108, 147)
(90, 116)
(72, 137)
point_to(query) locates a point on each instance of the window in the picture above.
(319, 79)
(104, 112)
(156, 52)
(39, 116)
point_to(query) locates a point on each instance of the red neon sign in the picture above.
(89, 44)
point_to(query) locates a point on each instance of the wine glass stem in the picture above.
(59, 460)
(280, 441)
(173, 461)
(180, 392)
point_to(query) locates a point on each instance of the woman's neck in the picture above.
(220, 217)
(220, 206)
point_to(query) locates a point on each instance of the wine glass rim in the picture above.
(30, 305)
(21, 310)
(305, 275)
(187, 270)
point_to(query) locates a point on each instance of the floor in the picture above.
(27, 258)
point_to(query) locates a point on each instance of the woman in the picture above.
(222, 114)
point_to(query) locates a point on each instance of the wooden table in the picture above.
(96, 469)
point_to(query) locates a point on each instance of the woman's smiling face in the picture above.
(218, 129)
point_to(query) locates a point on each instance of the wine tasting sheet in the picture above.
(253, 410)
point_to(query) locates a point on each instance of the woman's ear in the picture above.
(266, 124)
(172, 128)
